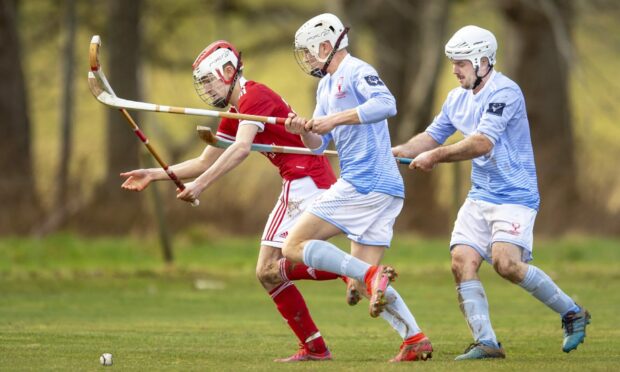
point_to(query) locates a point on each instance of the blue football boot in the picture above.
(481, 351)
(574, 325)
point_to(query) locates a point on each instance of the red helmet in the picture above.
(208, 72)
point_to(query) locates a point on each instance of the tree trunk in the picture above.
(19, 206)
(66, 120)
(114, 210)
(124, 63)
(538, 52)
(409, 39)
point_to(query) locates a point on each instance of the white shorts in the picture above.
(366, 218)
(479, 224)
(296, 196)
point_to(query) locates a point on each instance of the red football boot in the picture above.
(419, 348)
(304, 355)
(377, 280)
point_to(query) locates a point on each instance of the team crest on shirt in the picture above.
(496, 108)
(373, 80)
(340, 93)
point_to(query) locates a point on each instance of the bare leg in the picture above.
(308, 227)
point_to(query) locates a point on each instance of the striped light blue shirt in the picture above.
(364, 150)
(507, 175)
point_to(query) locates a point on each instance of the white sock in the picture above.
(475, 307)
(398, 315)
(325, 256)
(540, 285)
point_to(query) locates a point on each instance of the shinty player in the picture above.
(352, 108)
(219, 82)
(496, 222)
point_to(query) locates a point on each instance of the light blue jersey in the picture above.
(507, 175)
(364, 150)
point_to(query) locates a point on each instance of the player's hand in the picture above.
(295, 124)
(320, 125)
(136, 180)
(399, 151)
(424, 161)
(192, 192)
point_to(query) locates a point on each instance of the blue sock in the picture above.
(325, 256)
(540, 285)
(475, 307)
(574, 309)
(399, 316)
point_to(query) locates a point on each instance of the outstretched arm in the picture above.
(230, 158)
(139, 179)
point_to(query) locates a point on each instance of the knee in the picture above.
(506, 267)
(268, 274)
(463, 267)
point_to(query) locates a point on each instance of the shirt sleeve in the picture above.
(326, 139)
(256, 104)
(379, 102)
(499, 109)
(441, 128)
(227, 129)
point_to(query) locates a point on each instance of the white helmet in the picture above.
(472, 43)
(324, 27)
(208, 71)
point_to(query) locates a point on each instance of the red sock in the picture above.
(292, 306)
(298, 271)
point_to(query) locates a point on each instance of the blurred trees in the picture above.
(539, 56)
(114, 211)
(18, 201)
(62, 204)
(404, 39)
(409, 37)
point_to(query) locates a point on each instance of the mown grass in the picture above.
(65, 300)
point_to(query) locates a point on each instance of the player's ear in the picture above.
(326, 48)
(229, 71)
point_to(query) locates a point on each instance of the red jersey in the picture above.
(257, 99)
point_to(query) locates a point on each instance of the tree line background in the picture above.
(61, 151)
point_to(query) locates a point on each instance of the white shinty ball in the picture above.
(106, 359)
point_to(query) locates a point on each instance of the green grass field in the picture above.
(65, 300)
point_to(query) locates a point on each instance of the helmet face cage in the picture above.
(308, 62)
(209, 81)
(211, 90)
(308, 38)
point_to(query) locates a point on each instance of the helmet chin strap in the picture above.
(221, 102)
(323, 71)
(479, 78)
